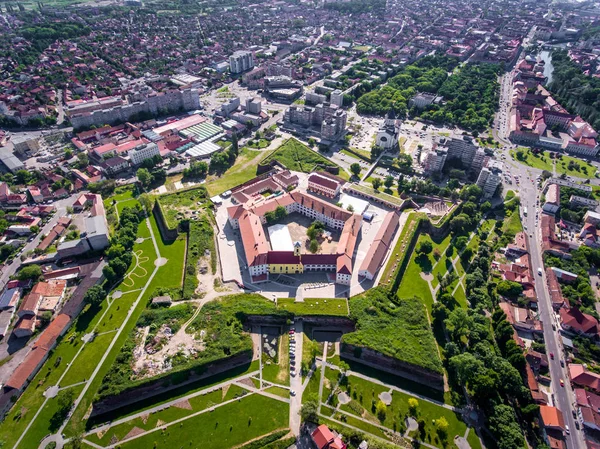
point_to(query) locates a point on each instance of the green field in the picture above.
(413, 283)
(541, 161)
(315, 306)
(408, 231)
(364, 392)
(298, 157)
(244, 169)
(398, 329)
(579, 168)
(225, 427)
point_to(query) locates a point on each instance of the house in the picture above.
(552, 203)
(589, 407)
(322, 185)
(25, 327)
(581, 377)
(325, 438)
(574, 320)
(552, 417)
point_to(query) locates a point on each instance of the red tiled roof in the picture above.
(49, 336)
(322, 436)
(579, 321)
(552, 417)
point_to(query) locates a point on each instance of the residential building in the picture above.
(337, 98)
(324, 438)
(552, 203)
(241, 61)
(140, 153)
(552, 417)
(489, 179)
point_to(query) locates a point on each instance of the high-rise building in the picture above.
(337, 98)
(490, 178)
(241, 61)
(253, 106)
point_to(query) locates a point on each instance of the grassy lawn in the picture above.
(127, 203)
(357, 153)
(540, 161)
(44, 424)
(225, 427)
(365, 393)
(311, 392)
(139, 273)
(512, 225)
(261, 143)
(408, 231)
(412, 283)
(315, 306)
(243, 170)
(117, 313)
(167, 415)
(461, 296)
(390, 195)
(279, 391)
(355, 422)
(298, 157)
(279, 372)
(473, 439)
(87, 360)
(578, 167)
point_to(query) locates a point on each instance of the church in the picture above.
(389, 132)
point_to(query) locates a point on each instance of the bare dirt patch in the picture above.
(134, 432)
(247, 381)
(185, 405)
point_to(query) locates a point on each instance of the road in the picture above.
(564, 398)
(61, 211)
(296, 383)
(529, 195)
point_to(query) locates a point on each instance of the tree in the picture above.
(34, 229)
(280, 212)
(314, 246)
(413, 407)
(381, 410)
(355, 169)
(82, 160)
(388, 182)
(461, 242)
(509, 289)
(144, 177)
(425, 247)
(115, 250)
(308, 412)
(376, 183)
(441, 426)
(94, 296)
(32, 272)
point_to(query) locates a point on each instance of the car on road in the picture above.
(539, 271)
(562, 383)
(567, 431)
(562, 363)
(293, 392)
(552, 355)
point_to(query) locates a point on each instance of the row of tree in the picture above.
(120, 251)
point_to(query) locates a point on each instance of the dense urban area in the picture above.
(312, 224)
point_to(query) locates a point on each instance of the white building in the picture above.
(241, 61)
(388, 133)
(337, 98)
(552, 203)
(489, 179)
(141, 153)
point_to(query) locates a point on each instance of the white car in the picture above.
(293, 392)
